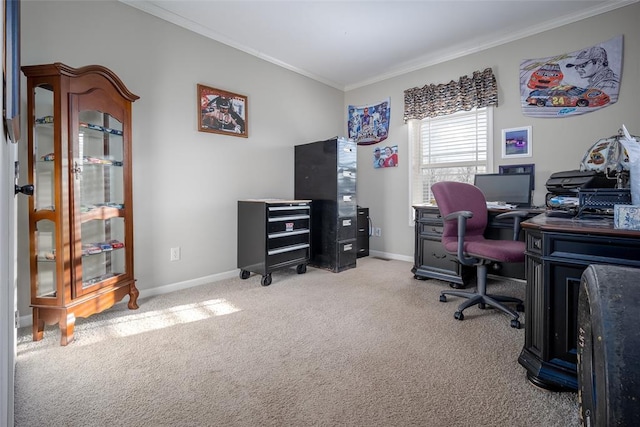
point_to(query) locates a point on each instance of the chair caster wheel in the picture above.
(443, 298)
(458, 315)
(520, 308)
(515, 324)
(482, 306)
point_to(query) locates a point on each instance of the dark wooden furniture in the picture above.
(81, 212)
(558, 251)
(273, 234)
(362, 236)
(432, 261)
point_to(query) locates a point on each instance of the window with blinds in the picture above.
(454, 147)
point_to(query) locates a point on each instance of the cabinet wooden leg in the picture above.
(67, 324)
(133, 297)
(38, 325)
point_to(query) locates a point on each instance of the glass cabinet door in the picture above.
(99, 195)
(43, 201)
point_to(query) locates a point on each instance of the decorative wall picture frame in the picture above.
(516, 142)
(222, 112)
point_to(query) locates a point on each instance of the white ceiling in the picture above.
(348, 44)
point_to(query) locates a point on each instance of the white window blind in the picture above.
(449, 148)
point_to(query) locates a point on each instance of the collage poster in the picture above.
(369, 124)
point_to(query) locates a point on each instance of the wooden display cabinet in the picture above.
(80, 215)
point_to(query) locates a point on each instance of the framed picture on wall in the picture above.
(516, 142)
(222, 112)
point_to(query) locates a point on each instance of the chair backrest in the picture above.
(459, 196)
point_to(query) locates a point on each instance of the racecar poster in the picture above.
(572, 83)
(369, 124)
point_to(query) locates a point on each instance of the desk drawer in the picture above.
(593, 249)
(435, 257)
(430, 214)
(430, 229)
(534, 243)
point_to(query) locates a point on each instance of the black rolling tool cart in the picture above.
(273, 234)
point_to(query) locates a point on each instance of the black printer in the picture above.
(568, 183)
(593, 191)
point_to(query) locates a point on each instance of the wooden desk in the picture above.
(558, 251)
(432, 261)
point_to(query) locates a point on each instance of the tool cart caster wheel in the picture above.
(244, 274)
(458, 315)
(301, 269)
(266, 280)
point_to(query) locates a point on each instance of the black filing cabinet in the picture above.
(362, 236)
(273, 234)
(325, 172)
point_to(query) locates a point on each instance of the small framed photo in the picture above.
(222, 112)
(516, 142)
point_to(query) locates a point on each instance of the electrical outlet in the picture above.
(175, 254)
(378, 232)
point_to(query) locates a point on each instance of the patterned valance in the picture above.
(480, 90)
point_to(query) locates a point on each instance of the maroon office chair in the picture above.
(464, 210)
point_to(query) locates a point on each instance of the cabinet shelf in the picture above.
(102, 213)
(93, 128)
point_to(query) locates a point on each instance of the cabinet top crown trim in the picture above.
(59, 68)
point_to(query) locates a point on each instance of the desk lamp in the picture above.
(609, 157)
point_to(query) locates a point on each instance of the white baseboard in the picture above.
(386, 255)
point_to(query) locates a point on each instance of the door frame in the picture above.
(8, 271)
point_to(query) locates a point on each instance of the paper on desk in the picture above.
(500, 205)
(633, 151)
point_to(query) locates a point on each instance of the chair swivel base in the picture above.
(483, 301)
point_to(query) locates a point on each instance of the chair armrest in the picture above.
(517, 216)
(461, 217)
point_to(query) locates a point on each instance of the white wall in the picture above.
(558, 144)
(186, 183)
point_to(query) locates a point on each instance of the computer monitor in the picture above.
(514, 189)
(526, 168)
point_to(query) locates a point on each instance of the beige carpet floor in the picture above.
(370, 346)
